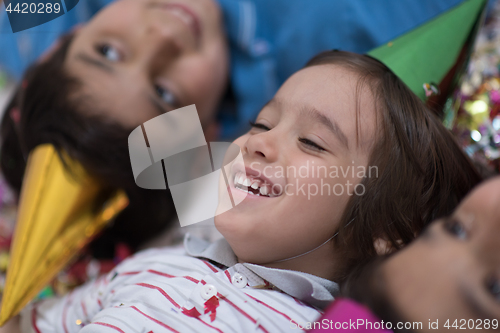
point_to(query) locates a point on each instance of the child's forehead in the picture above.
(336, 92)
(484, 200)
(328, 84)
(317, 74)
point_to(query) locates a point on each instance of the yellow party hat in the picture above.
(57, 218)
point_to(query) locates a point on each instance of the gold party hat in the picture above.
(57, 218)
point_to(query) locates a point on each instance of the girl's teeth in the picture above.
(264, 190)
(241, 179)
(180, 14)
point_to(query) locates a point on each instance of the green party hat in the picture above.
(429, 52)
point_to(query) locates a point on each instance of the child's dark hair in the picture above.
(422, 172)
(366, 285)
(49, 111)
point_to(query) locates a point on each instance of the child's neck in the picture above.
(321, 262)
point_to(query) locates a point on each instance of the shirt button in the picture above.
(208, 291)
(240, 281)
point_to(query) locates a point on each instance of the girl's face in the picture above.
(456, 262)
(304, 155)
(140, 58)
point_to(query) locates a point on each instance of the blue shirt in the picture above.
(269, 39)
(19, 50)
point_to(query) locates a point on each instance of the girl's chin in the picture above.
(233, 226)
(225, 223)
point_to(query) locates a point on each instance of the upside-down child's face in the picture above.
(299, 157)
(140, 58)
(452, 272)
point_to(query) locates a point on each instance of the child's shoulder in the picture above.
(156, 255)
(176, 258)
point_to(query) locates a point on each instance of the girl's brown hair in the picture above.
(367, 285)
(50, 113)
(422, 172)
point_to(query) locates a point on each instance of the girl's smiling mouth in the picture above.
(184, 14)
(253, 183)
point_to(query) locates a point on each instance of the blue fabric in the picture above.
(19, 50)
(269, 39)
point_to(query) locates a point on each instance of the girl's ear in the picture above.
(383, 246)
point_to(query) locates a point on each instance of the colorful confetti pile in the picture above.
(475, 108)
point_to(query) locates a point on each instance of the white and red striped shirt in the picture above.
(198, 288)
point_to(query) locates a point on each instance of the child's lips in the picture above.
(252, 184)
(240, 195)
(247, 183)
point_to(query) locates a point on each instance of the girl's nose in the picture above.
(157, 46)
(164, 39)
(263, 145)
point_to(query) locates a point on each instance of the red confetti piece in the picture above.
(191, 312)
(211, 305)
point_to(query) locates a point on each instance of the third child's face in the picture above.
(140, 58)
(451, 273)
(305, 155)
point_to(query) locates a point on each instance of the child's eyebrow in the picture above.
(312, 112)
(95, 62)
(332, 125)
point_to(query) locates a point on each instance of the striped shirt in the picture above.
(198, 288)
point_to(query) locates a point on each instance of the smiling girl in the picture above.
(342, 111)
(283, 254)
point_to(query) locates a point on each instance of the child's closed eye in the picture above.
(259, 126)
(311, 145)
(306, 142)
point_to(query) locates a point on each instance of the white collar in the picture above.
(306, 287)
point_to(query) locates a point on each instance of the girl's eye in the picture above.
(311, 144)
(166, 95)
(493, 286)
(109, 52)
(455, 228)
(259, 126)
